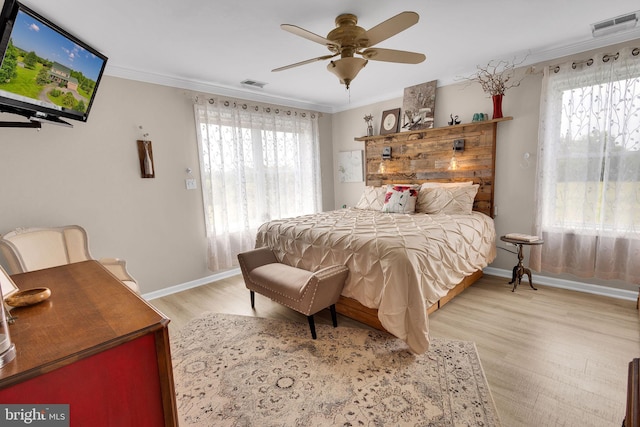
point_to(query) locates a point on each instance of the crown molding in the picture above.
(542, 55)
(556, 52)
(212, 88)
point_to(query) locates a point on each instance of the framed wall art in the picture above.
(350, 166)
(390, 121)
(418, 105)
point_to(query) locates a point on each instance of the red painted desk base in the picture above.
(118, 387)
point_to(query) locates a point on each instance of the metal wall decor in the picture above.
(145, 153)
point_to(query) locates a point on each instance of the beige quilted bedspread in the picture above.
(398, 263)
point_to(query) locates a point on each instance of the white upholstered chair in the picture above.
(29, 249)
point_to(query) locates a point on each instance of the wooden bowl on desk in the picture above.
(28, 297)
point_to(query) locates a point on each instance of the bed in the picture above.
(399, 263)
(403, 265)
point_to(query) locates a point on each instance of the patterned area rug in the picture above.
(234, 370)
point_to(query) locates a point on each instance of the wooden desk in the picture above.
(95, 345)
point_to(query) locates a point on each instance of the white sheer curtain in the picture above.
(588, 188)
(257, 163)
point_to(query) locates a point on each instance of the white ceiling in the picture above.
(211, 46)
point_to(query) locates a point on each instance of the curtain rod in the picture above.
(605, 58)
(237, 103)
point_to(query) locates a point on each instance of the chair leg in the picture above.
(334, 316)
(253, 299)
(312, 325)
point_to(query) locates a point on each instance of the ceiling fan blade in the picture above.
(308, 61)
(294, 29)
(391, 27)
(392, 55)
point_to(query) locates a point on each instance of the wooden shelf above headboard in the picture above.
(421, 131)
(424, 155)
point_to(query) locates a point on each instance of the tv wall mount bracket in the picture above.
(35, 122)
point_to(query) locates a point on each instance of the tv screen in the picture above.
(46, 73)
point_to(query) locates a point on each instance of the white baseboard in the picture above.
(192, 284)
(539, 279)
(570, 284)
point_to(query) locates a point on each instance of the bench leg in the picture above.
(334, 316)
(312, 325)
(253, 299)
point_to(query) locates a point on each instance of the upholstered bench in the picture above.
(306, 292)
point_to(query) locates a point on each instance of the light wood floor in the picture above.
(552, 357)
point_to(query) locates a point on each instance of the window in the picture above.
(257, 164)
(589, 172)
(596, 159)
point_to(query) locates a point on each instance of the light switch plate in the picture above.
(190, 183)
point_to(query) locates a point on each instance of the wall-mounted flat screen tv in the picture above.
(46, 73)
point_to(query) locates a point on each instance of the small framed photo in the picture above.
(6, 284)
(390, 121)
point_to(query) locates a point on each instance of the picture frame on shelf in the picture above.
(418, 106)
(390, 121)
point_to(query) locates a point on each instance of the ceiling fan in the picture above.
(348, 39)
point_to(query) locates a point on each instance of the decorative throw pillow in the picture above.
(447, 200)
(400, 198)
(372, 198)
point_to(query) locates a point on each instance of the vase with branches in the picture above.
(369, 119)
(496, 78)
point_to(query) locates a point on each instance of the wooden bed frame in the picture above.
(424, 155)
(369, 316)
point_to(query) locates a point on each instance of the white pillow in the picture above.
(447, 200)
(372, 198)
(400, 198)
(432, 184)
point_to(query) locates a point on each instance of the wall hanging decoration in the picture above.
(145, 153)
(350, 166)
(418, 106)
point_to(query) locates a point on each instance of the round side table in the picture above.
(520, 270)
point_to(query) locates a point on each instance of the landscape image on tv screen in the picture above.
(44, 67)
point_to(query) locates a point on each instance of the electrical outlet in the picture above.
(190, 183)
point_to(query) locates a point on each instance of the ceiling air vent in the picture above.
(614, 25)
(252, 83)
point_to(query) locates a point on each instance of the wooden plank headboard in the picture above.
(424, 155)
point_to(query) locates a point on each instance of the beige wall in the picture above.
(515, 184)
(90, 175)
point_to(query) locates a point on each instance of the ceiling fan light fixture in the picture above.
(346, 69)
